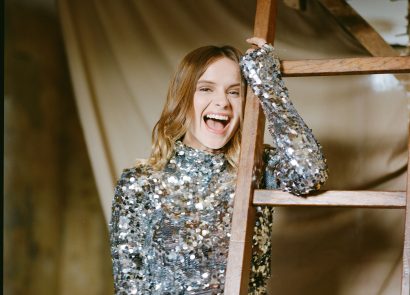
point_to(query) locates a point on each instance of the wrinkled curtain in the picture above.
(122, 55)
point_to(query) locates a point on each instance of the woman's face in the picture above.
(217, 106)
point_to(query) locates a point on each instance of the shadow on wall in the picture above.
(358, 166)
(336, 251)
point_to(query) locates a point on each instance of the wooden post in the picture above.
(240, 247)
(405, 279)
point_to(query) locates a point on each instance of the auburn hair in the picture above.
(175, 119)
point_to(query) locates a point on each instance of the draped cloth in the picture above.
(122, 55)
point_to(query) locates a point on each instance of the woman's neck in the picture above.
(192, 142)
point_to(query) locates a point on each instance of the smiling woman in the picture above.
(207, 83)
(217, 106)
(171, 217)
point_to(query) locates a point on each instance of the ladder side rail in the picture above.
(243, 219)
(240, 245)
(405, 279)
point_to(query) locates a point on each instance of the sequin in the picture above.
(170, 229)
(296, 163)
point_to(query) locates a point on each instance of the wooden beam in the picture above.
(243, 219)
(358, 27)
(265, 20)
(405, 279)
(357, 199)
(346, 66)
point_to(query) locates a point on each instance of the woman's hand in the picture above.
(259, 42)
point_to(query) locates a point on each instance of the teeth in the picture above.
(217, 117)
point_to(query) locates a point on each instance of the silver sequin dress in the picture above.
(170, 229)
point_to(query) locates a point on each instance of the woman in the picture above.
(171, 217)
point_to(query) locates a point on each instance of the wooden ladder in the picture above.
(247, 196)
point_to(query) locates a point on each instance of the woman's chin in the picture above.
(215, 145)
(208, 141)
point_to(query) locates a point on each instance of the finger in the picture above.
(256, 41)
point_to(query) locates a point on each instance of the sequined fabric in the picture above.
(297, 164)
(170, 229)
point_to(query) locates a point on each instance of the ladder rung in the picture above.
(346, 66)
(359, 199)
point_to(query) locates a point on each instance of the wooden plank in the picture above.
(243, 219)
(359, 28)
(265, 20)
(346, 66)
(405, 279)
(358, 199)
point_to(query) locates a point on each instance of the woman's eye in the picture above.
(205, 89)
(234, 93)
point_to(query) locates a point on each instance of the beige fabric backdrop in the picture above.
(122, 55)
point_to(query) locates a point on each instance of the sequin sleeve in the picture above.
(296, 163)
(126, 237)
(261, 251)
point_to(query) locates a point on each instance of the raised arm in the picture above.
(296, 164)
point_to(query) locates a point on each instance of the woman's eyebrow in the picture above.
(213, 83)
(236, 84)
(205, 82)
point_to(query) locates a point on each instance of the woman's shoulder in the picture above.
(141, 168)
(133, 184)
(131, 193)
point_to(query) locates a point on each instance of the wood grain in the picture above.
(357, 199)
(358, 27)
(405, 279)
(264, 26)
(346, 66)
(243, 219)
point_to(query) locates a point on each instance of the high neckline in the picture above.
(185, 154)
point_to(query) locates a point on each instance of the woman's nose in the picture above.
(221, 99)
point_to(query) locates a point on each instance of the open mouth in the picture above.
(217, 123)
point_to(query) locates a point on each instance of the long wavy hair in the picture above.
(175, 119)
